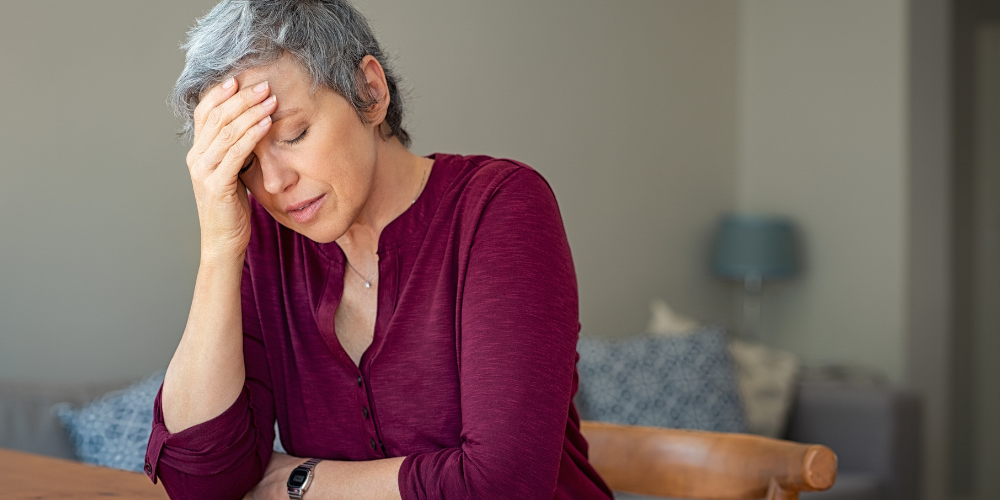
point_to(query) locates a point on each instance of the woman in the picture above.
(410, 323)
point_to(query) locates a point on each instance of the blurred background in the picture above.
(873, 125)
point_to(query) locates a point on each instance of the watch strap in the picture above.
(296, 493)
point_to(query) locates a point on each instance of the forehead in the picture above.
(286, 77)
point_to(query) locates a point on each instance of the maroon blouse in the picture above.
(471, 372)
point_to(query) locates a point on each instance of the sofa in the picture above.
(874, 431)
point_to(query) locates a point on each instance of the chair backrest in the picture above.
(706, 465)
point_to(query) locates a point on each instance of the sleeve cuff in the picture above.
(204, 449)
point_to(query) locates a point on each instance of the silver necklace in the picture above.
(368, 282)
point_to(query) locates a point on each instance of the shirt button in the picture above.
(359, 381)
(148, 468)
(371, 442)
(364, 412)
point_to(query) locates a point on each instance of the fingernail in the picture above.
(269, 101)
(229, 83)
(265, 122)
(262, 86)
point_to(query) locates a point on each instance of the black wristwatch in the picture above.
(300, 479)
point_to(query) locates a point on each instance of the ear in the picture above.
(377, 88)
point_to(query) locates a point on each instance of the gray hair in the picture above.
(328, 37)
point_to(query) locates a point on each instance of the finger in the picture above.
(235, 157)
(230, 134)
(217, 95)
(221, 115)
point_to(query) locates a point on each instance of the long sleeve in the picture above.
(226, 456)
(518, 327)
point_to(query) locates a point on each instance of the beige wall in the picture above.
(629, 109)
(99, 232)
(822, 138)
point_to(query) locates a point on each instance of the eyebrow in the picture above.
(283, 113)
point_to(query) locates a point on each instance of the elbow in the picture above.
(225, 486)
(198, 476)
(519, 480)
(456, 474)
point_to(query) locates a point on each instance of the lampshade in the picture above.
(748, 244)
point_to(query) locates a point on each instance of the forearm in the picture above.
(207, 372)
(333, 480)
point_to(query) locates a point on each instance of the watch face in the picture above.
(298, 478)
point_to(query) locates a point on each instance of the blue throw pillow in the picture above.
(678, 382)
(113, 430)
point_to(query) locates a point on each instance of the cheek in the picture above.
(346, 163)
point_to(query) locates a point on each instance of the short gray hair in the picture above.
(328, 37)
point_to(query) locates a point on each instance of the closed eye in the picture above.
(297, 139)
(248, 165)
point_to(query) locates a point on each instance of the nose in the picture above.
(277, 177)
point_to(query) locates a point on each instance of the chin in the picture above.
(320, 231)
(322, 239)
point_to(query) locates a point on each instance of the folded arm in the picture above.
(519, 323)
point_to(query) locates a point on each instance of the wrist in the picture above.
(218, 259)
(301, 478)
(273, 486)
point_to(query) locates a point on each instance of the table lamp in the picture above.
(754, 248)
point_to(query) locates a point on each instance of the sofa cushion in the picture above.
(679, 382)
(766, 376)
(766, 379)
(113, 430)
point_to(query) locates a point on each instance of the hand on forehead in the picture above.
(288, 81)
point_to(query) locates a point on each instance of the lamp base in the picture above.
(752, 285)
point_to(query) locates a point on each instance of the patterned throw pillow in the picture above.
(113, 430)
(678, 382)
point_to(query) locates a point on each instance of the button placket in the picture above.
(387, 296)
(363, 400)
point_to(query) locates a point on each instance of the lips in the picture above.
(303, 212)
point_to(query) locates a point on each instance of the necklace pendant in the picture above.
(368, 284)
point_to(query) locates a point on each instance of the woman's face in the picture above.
(314, 170)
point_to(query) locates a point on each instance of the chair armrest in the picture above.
(699, 464)
(872, 430)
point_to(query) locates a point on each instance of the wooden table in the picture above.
(25, 476)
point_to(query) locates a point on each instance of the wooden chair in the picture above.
(706, 465)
